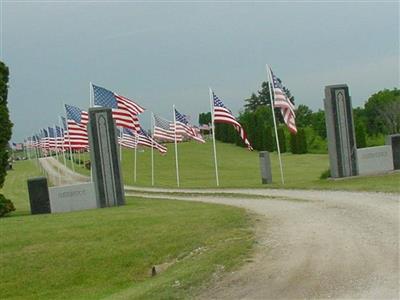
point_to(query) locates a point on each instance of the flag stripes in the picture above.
(222, 114)
(124, 110)
(282, 101)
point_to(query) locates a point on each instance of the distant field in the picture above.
(109, 252)
(239, 167)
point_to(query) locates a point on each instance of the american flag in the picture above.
(35, 141)
(145, 140)
(77, 120)
(222, 114)
(127, 138)
(59, 137)
(44, 139)
(52, 138)
(124, 110)
(282, 101)
(184, 128)
(164, 131)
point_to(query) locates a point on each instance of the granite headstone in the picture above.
(72, 197)
(375, 160)
(394, 141)
(265, 167)
(105, 163)
(340, 131)
(39, 195)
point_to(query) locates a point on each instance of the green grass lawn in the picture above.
(109, 252)
(16, 187)
(239, 167)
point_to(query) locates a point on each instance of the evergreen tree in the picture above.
(361, 139)
(205, 118)
(293, 144)
(282, 139)
(269, 139)
(6, 205)
(5, 123)
(301, 141)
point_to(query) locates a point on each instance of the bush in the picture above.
(282, 139)
(298, 142)
(361, 139)
(375, 140)
(87, 164)
(326, 174)
(6, 206)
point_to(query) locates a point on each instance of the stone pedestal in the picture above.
(265, 167)
(394, 141)
(39, 195)
(340, 131)
(106, 170)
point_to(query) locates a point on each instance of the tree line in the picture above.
(379, 116)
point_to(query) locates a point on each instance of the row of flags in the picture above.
(71, 134)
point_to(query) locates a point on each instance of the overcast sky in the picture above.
(161, 54)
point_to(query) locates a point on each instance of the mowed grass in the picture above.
(239, 167)
(16, 186)
(108, 253)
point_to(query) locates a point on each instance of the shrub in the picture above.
(6, 206)
(326, 174)
(361, 139)
(87, 164)
(282, 139)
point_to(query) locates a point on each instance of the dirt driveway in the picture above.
(310, 244)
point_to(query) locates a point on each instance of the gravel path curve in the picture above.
(310, 244)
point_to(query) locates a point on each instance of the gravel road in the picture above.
(310, 244)
(58, 174)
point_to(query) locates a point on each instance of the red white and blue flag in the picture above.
(145, 140)
(282, 101)
(77, 120)
(127, 138)
(222, 114)
(164, 131)
(124, 111)
(183, 127)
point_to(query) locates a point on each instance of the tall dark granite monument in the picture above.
(394, 141)
(105, 163)
(340, 131)
(39, 195)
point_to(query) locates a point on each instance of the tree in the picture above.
(252, 103)
(205, 118)
(382, 111)
(318, 123)
(361, 139)
(5, 135)
(282, 139)
(298, 142)
(303, 116)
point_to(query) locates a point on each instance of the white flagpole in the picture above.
(58, 166)
(70, 148)
(213, 135)
(120, 146)
(176, 148)
(26, 147)
(63, 138)
(91, 103)
(152, 147)
(269, 78)
(135, 162)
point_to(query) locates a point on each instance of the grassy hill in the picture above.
(104, 253)
(239, 167)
